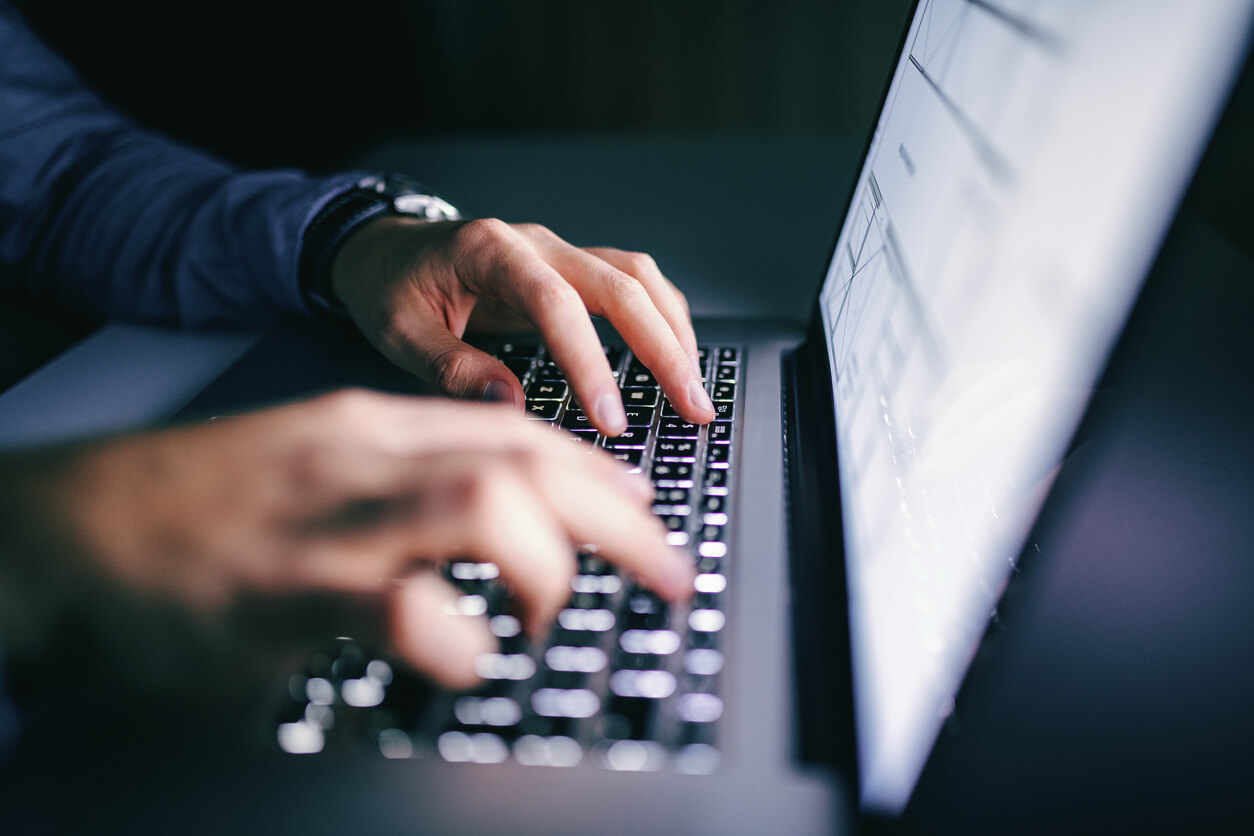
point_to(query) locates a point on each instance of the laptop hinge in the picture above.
(825, 732)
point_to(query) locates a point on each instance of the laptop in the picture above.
(865, 498)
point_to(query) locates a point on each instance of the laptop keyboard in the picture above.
(624, 680)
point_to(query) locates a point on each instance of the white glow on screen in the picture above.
(1024, 169)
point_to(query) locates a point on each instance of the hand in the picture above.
(261, 537)
(413, 287)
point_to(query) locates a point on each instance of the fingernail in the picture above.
(697, 396)
(498, 391)
(608, 413)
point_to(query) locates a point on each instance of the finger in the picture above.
(368, 443)
(622, 528)
(423, 345)
(668, 298)
(520, 278)
(429, 631)
(459, 504)
(504, 521)
(622, 299)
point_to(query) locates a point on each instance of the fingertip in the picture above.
(501, 391)
(608, 413)
(430, 632)
(699, 402)
(676, 577)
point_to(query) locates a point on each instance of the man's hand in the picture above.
(414, 287)
(284, 528)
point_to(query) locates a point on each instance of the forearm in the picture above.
(101, 217)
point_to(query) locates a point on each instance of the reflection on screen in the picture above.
(1024, 168)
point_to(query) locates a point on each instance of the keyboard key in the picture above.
(595, 621)
(614, 356)
(714, 503)
(646, 684)
(575, 659)
(640, 396)
(675, 450)
(639, 416)
(629, 456)
(676, 428)
(723, 410)
(718, 456)
(655, 642)
(641, 377)
(715, 482)
(543, 410)
(709, 564)
(576, 419)
(587, 436)
(723, 391)
(706, 621)
(549, 372)
(712, 549)
(630, 437)
(518, 366)
(546, 390)
(720, 432)
(635, 367)
(561, 702)
(527, 350)
(671, 496)
(486, 711)
(590, 564)
(712, 533)
(699, 708)
(668, 411)
(630, 719)
(654, 614)
(672, 474)
(599, 583)
(725, 373)
(728, 355)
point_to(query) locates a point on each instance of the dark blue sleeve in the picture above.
(100, 217)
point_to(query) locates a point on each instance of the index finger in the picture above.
(531, 286)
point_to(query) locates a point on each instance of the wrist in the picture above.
(325, 236)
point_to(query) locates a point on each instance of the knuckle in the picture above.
(485, 491)
(624, 291)
(348, 404)
(483, 232)
(532, 229)
(640, 262)
(449, 368)
(552, 294)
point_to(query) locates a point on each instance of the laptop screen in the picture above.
(1025, 166)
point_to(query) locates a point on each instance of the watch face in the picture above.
(425, 206)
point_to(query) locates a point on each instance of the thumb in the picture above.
(429, 632)
(432, 352)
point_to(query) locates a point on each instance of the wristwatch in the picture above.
(370, 197)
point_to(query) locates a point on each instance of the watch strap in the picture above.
(323, 236)
(369, 198)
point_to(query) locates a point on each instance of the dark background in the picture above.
(311, 84)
